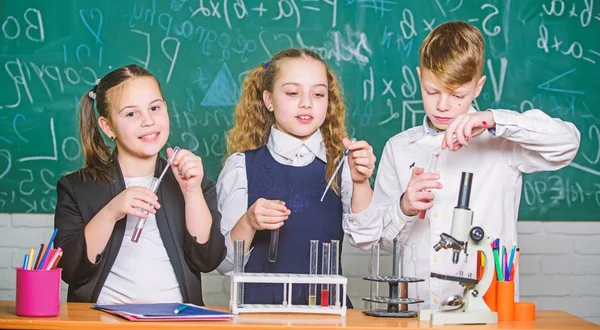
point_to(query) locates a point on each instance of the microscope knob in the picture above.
(477, 234)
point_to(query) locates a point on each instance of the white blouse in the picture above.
(129, 281)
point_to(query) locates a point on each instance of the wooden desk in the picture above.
(81, 316)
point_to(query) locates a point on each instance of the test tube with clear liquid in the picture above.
(403, 285)
(374, 273)
(314, 259)
(238, 268)
(325, 262)
(437, 160)
(335, 261)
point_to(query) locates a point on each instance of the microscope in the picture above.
(470, 308)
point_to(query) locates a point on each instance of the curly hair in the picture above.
(253, 120)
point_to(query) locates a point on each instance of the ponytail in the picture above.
(98, 163)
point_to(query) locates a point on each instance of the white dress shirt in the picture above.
(142, 272)
(232, 190)
(522, 143)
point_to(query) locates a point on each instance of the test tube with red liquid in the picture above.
(325, 262)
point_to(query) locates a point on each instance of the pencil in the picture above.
(52, 259)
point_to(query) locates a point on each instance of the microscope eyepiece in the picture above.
(465, 190)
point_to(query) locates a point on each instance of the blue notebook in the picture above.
(163, 312)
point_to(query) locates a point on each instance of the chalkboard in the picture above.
(540, 54)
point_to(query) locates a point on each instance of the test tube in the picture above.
(403, 285)
(375, 269)
(139, 226)
(314, 258)
(393, 293)
(413, 257)
(325, 262)
(437, 160)
(273, 245)
(238, 267)
(335, 261)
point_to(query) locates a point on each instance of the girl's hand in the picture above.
(267, 214)
(467, 127)
(417, 196)
(360, 159)
(188, 171)
(132, 201)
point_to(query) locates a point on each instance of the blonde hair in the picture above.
(454, 53)
(253, 120)
(98, 156)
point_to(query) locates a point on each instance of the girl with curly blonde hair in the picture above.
(288, 137)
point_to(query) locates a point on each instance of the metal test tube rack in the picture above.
(397, 301)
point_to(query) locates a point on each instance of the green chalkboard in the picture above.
(540, 54)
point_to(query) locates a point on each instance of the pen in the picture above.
(181, 308)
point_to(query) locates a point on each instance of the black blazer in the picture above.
(78, 202)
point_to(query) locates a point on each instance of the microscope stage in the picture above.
(464, 280)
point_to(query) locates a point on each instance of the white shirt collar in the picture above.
(289, 147)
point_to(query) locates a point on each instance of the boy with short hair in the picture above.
(497, 146)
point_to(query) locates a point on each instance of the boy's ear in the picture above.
(419, 73)
(480, 85)
(105, 127)
(267, 99)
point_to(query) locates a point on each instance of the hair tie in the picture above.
(266, 64)
(92, 95)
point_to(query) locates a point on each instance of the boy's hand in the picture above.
(188, 171)
(267, 214)
(360, 159)
(467, 127)
(417, 196)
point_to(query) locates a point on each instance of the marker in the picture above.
(26, 262)
(48, 247)
(181, 308)
(39, 256)
(52, 259)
